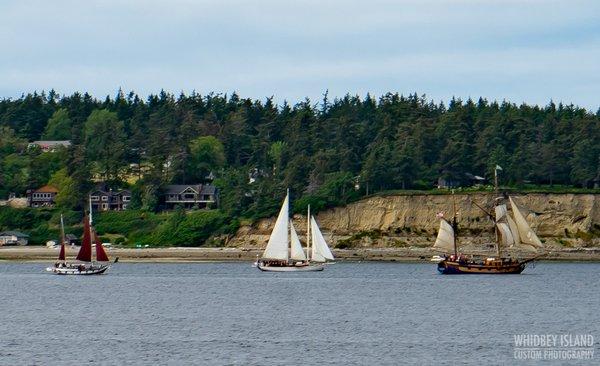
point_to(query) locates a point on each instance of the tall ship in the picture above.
(512, 232)
(284, 252)
(84, 264)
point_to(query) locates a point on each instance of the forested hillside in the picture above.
(321, 150)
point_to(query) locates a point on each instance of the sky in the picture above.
(529, 51)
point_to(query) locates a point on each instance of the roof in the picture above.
(110, 192)
(52, 143)
(18, 234)
(179, 188)
(199, 188)
(71, 237)
(209, 189)
(46, 189)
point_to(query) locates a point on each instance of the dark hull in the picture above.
(291, 268)
(448, 267)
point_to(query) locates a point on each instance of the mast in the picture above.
(308, 234)
(454, 224)
(289, 232)
(498, 251)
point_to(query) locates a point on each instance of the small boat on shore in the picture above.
(284, 252)
(84, 266)
(511, 232)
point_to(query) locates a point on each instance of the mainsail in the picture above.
(277, 247)
(527, 237)
(61, 254)
(297, 253)
(320, 249)
(85, 252)
(506, 236)
(445, 237)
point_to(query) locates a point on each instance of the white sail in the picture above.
(320, 249)
(513, 229)
(445, 237)
(277, 248)
(506, 236)
(297, 252)
(526, 235)
(500, 212)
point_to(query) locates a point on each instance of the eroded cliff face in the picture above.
(561, 220)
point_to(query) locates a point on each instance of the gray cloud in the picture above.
(530, 51)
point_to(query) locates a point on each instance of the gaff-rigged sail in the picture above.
(445, 237)
(62, 254)
(297, 253)
(506, 236)
(277, 247)
(85, 252)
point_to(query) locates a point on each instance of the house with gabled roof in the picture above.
(42, 197)
(191, 196)
(104, 199)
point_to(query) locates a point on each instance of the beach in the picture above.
(195, 254)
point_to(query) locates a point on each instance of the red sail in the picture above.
(100, 252)
(61, 254)
(85, 253)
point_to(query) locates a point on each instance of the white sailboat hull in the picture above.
(310, 268)
(79, 270)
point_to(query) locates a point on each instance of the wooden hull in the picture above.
(448, 267)
(84, 270)
(310, 268)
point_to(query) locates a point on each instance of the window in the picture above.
(105, 206)
(126, 198)
(188, 196)
(94, 198)
(104, 198)
(206, 197)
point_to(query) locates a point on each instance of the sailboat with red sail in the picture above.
(85, 265)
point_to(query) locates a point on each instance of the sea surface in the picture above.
(233, 314)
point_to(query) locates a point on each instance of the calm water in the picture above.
(232, 314)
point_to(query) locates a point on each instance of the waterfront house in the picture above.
(191, 196)
(461, 180)
(51, 145)
(109, 200)
(71, 239)
(42, 197)
(13, 238)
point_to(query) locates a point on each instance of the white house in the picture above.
(13, 238)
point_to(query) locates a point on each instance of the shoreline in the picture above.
(228, 254)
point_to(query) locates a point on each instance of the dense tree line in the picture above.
(322, 151)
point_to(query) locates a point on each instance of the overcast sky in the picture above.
(531, 51)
